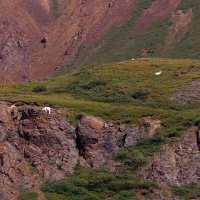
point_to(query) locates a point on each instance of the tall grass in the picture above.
(120, 92)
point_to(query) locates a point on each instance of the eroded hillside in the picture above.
(40, 38)
(22, 28)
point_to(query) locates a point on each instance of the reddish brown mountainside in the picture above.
(23, 24)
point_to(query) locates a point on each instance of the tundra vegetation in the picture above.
(120, 92)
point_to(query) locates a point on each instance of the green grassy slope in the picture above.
(120, 91)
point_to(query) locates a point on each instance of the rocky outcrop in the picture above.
(36, 146)
(130, 135)
(33, 144)
(98, 141)
(177, 165)
(48, 143)
(9, 119)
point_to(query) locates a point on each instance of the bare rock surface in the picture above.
(98, 141)
(133, 135)
(33, 144)
(48, 143)
(177, 165)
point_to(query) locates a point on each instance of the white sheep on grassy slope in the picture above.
(47, 109)
(158, 73)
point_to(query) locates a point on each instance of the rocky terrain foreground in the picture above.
(37, 147)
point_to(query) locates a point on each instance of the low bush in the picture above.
(131, 158)
(40, 88)
(141, 94)
(190, 191)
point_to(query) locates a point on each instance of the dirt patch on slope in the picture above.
(158, 10)
(154, 124)
(184, 97)
(21, 29)
(115, 12)
(180, 22)
(46, 5)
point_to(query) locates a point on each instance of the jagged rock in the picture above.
(129, 136)
(3, 192)
(177, 165)
(133, 135)
(96, 140)
(6, 192)
(9, 116)
(13, 169)
(33, 144)
(159, 196)
(48, 143)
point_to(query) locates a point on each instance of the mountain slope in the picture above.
(79, 33)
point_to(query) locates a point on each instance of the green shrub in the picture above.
(131, 158)
(140, 94)
(146, 125)
(55, 8)
(32, 168)
(40, 88)
(94, 84)
(187, 192)
(8, 135)
(96, 184)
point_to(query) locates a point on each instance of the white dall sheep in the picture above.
(158, 73)
(47, 109)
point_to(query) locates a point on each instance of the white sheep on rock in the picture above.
(47, 109)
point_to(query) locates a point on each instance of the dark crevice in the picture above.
(198, 138)
(1, 161)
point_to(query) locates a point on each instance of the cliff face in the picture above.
(37, 147)
(177, 165)
(34, 144)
